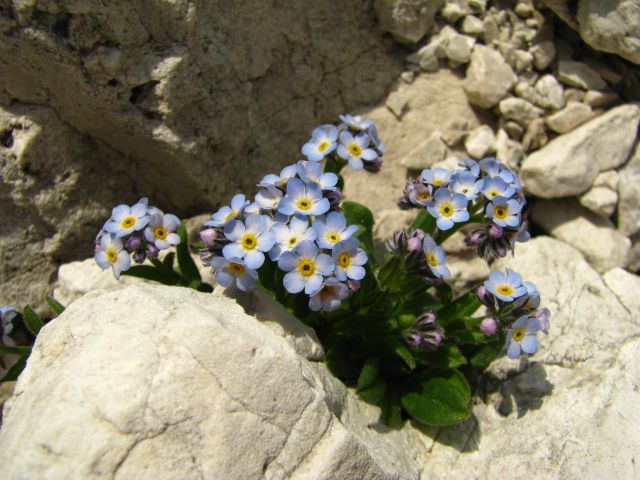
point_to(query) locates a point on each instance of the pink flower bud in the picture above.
(489, 326)
(495, 231)
(209, 236)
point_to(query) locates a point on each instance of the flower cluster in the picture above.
(139, 231)
(7, 315)
(513, 305)
(355, 141)
(295, 221)
(487, 192)
(420, 253)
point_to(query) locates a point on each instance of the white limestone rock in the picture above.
(407, 20)
(595, 237)
(489, 78)
(585, 369)
(509, 151)
(548, 93)
(626, 287)
(568, 164)
(581, 75)
(543, 54)
(629, 192)
(602, 197)
(458, 48)
(430, 151)
(165, 382)
(472, 25)
(570, 117)
(396, 104)
(595, 98)
(519, 110)
(480, 142)
(535, 136)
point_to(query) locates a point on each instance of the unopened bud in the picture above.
(489, 326)
(475, 238)
(139, 257)
(133, 243)
(354, 284)
(495, 231)
(426, 320)
(152, 251)
(209, 236)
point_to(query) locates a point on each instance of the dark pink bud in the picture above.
(139, 257)
(482, 293)
(209, 236)
(152, 251)
(354, 284)
(495, 231)
(133, 243)
(425, 320)
(489, 326)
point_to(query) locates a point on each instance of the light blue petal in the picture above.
(233, 250)
(444, 223)
(293, 282)
(513, 349)
(325, 264)
(234, 230)
(313, 284)
(529, 344)
(307, 249)
(355, 272)
(460, 215)
(253, 259)
(286, 206)
(266, 241)
(224, 278)
(119, 212)
(245, 282)
(288, 261)
(355, 163)
(320, 207)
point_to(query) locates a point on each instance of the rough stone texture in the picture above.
(431, 151)
(543, 54)
(519, 110)
(458, 49)
(595, 237)
(548, 93)
(189, 387)
(480, 142)
(568, 164)
(535, 136)
(581, 75)
(161, 99)
(56, 189)
(489, 78)
(626, 287)
(407, 20)
(431, 97)
(580, 389)
(396, 103)
(570, 117)
(602, 197)
(607, 25)
(634, 254)
(629, 195)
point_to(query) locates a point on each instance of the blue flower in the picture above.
(355, 149)
(349, 260)
(161, 230)
(110, 253)
(7, 314)
(497, 187)
(330, 296)
(356, 122)
(268, 199)
(533, 296)
(288, 237)
(281, 180)
(418, 194)
(125, 219)
(504, 212)
(228, 213)
(310, 172)
(332, 229)
(466, 184)
(233, 272)
(323, 142)
(543, 317)
(303, 199)
(472, 166)
(506, 286)
(249, 240)
(522, 336)
(438, 177)
(436, 257)
(448, 208)
(307, 268)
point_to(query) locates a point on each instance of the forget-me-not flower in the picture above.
(109, 253)
(504, 212)
(249, 239)
(330, 296)
(268, 199)
(497, 187)
(233, 272)
(349, 260)
(521, 337)
(306, 268)
(125, 219)
(332, 229)
(506, 286)
(311, 172)
(273, 180)
(323, 142)
(228, 213)
(436, 258)
(288, 236)
(303, 199)
(466, 184)
(355, 149)
(438, 177)
(448, 208)
(472, 166)
(161, 230)
(7, 314)
(356, 122)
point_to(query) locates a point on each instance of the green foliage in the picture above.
(32, 321)
(55, 305)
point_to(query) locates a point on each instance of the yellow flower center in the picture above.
(344, 260)
(323, 145)
(437, 181)
(333, 237)
(293, 241)
(249, 241)
(160, 232)
(230, 215)
(493, 193)
(446, 210)
(505, 289)
(307, 267)
(304, 204)
(112, 255)
(500, 213)
(432, 259)
(518, 334)
(236, 268)
(355, 150)
(424, 195)
(128, 222)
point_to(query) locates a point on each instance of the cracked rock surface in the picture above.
(164, 382)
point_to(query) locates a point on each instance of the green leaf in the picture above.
(148, 272)
(358, 214)
(168, 260)
(441, 400)
(185, 262)
(55, 305)
(445, 293)
(485, 355)
(16, 369)
(8, 350)
(446, 356)
(374, 393)
(404, 353)
(204, 287)
(461, 307)
(31, 319)
(391, 409)
(369, 373)
(425, 222)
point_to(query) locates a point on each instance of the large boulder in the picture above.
(608, 25)
(184, 102)
(570, 411)
(569, 164)
(165, 382)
